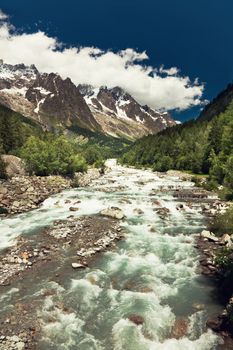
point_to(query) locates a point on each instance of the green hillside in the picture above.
(202, 147)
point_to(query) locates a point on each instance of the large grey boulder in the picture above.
(14, 166)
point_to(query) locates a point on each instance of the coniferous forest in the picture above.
(198, 146)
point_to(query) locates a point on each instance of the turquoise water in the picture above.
(152, 273)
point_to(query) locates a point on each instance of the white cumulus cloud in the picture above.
(160, 88)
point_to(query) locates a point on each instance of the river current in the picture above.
(151, 274)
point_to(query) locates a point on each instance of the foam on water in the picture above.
(151, 274)
(130, 337)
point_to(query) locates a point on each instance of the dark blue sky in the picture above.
(193, 35)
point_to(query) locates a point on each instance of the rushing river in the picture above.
(152, 273)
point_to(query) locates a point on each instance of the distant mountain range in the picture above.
(58, 103)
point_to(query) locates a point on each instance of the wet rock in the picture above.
(77, 266)
(156, 202)
(113, 212)
(137, 319)
(180, 328)
(215, 324)
(73, 209)
(210, 236)
(138, 211)
(162, 212)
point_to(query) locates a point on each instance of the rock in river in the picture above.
(77, 266)
(137, 319)
(113, 212)
(73, 209)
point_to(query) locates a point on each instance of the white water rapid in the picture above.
(152, 273)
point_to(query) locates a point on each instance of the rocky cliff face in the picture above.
(55, 102)
(120, 114)
(46, 98)
(218, 105)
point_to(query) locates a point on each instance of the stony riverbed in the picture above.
(110, 266)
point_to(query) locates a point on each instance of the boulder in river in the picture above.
(73, 209)
(180, 328)
(113, 212)
(138, 211)
(137, 319)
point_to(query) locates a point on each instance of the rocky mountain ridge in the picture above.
(58, 103)
(218, 104)
(116, 104)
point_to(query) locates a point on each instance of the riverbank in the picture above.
(24, 193)
(212, 250)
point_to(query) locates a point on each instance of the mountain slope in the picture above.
(121, 115)
(15, 129)
(58, 103)
(218, 105)
(204, 145)
(46, 98)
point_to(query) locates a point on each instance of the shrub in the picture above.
(78, 164)
(53, 156)
(223, 223)
(224, 259)
(92, 154)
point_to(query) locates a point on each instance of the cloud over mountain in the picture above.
(163, 89)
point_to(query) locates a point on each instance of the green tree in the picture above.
(92, 154)
(54, 155)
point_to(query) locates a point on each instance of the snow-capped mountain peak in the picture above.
(56, 102)
(116, 104)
